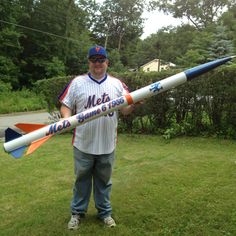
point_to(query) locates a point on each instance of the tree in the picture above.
(221, 45)
(115, 61)
(167, 44)
(119, 22)
(201, 13)
(228, 19)
(54, 30)
(191, 58)
(54, 68)
(8, 72)
(10, 47)
(197, 52)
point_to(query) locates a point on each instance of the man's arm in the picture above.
(65, 111)
(127, 110)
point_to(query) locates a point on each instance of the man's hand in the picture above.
(129, 109)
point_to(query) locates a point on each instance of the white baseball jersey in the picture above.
(83, 92)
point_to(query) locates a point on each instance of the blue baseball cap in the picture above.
(97, 50)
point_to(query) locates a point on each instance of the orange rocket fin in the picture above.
(29, 127)
(36, 144)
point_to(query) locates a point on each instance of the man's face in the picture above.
(98, 65)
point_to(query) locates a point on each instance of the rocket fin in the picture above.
(36, 144)
(11, 134)
(29, 127)
(18, 152)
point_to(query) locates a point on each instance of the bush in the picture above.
(50, 89)
(5, 87)
(18, 101)
(206, 105)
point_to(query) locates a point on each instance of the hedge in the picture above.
(206, 105)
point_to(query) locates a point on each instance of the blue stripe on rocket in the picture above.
(198, 70)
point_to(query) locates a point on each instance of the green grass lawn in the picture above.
(186, 186)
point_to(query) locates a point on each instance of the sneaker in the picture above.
(109, 222)
(73, 224)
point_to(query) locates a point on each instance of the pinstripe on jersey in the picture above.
(83, 92)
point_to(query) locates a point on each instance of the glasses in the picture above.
(99, 60)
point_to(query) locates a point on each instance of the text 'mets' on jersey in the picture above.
(83, 92)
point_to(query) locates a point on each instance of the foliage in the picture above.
(204, 106)
(200, 13)
(119, 22)
(20, 101)
(191, 58)
(55, 68)
(228, 19)
(10, 47)
(47, 38)
(47, 34)
(221, 45)
(8, 71)
(50, 89)
(5, 87)
(197, 52)
(171, 44)
(115, 63)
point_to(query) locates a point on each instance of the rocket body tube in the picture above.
(96, 112)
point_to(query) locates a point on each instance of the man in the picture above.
(94, 142)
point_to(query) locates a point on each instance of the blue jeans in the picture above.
(97, 169)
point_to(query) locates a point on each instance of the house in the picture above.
(156, 65)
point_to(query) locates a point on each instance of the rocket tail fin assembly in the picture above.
(11, 134)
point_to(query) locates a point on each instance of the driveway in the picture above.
(25, 117)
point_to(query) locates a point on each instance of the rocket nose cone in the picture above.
(198, 70)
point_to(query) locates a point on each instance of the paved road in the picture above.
(26, 117)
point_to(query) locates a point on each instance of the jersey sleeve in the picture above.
(67, 96)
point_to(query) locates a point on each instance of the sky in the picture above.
(156, 20)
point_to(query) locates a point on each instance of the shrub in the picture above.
(206, 105)
(18, 101)
(50, 89)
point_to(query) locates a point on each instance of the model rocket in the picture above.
(37, 134)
